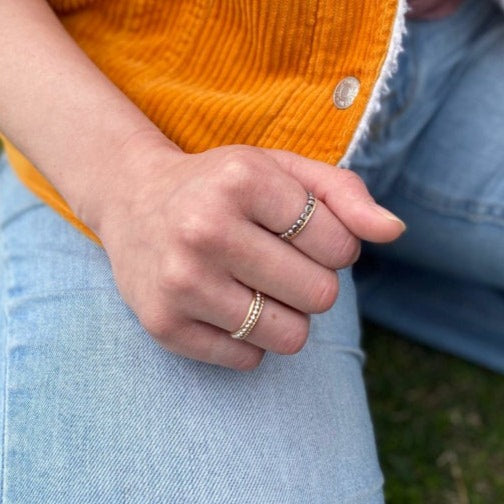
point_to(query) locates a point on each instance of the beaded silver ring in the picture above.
(255, 309)
(303, 219)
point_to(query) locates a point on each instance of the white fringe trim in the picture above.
(381, 88)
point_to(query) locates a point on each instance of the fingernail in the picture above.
(387, 214)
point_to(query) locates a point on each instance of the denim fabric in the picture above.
(95, 412)
(435, 156)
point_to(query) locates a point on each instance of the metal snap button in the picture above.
(345, 92)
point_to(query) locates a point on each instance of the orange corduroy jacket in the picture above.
(302, 75)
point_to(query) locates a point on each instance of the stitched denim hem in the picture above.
(472, 210)
(5, 282)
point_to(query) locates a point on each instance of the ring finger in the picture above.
(279, 328)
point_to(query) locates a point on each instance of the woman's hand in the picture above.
(190, 236)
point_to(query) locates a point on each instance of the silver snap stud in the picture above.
(345, 92)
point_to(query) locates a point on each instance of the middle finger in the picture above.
(264, 262)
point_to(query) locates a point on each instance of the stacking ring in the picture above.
(303, 219)
(255, 309)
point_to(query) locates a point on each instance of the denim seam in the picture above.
(7, 221)
(411, 78)
(8, 277)
(362, 498)
(471, 210)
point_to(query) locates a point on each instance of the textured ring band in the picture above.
(255, 309)
(303, 219)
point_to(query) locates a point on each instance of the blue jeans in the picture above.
(94, 411)
(435, 157)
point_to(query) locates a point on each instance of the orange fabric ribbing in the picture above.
(215, 72)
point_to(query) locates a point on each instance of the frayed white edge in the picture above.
(381, 88)
(501, 3)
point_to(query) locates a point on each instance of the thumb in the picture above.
(344, 193)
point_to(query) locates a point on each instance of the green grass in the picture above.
(439, 423)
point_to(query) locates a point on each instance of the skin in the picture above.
(189, 236)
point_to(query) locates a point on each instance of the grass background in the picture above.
(439, 423)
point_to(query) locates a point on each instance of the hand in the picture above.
(192, 235)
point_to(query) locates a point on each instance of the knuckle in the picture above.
(237, 171)
(352, 180)
(159, 325)
(353, 184)
(324, 292)
(197, 231)
(347, 253)
(248, 361)
(296, 336)
(179, 278)
(356, 253)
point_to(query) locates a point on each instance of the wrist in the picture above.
(115, 184)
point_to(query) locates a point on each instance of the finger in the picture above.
(280, 201)
(344, 193)
(324, 238)
(225, 304)
(207, 343)
(266, 263)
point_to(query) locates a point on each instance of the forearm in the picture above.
(58, 108)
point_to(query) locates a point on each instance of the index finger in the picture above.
(344, 193)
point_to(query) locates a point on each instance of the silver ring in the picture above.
(254, 312)
(303, 219)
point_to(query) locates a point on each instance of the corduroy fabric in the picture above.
(216, 72)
